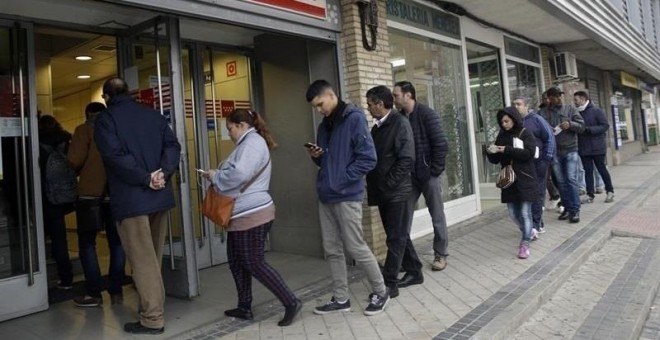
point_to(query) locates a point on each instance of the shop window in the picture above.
(524, 81)
(436, 70)
(625, 126)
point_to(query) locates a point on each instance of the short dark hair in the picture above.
(582, 94)
(316, 88)
(94, 107)
(115, 86)
(554, 92)
(381, 94)
(407, 87)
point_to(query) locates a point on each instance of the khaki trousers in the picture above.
(143, 238)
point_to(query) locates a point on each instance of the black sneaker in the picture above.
(377, 303)
(87, 301)
(137, 328)
(333, 306)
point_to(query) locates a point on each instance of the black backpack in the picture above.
(60, 183)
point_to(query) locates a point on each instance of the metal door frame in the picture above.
(180, 276)
(28, 293)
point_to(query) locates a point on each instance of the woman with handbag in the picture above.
(514, 149)
(245, 176)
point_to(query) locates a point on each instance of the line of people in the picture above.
(554, 143)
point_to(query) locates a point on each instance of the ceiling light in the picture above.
(397, 62)
(83, 76)
(83, 57)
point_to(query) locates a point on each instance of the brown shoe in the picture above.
(439, 263)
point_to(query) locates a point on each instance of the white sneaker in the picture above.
(542, 230)
(535, 235)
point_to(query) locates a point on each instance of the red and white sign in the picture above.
(231, 68)
(314, 8)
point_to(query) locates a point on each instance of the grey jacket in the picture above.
(247, 159)
(567, 140)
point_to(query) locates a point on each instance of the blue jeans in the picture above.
(89, 260)
(521, 214)
(565, 168)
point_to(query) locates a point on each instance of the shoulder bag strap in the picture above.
(255, 177)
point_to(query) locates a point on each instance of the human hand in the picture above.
(315, 151)
(492, 148)
(157, 180)
(501, 148)
(565, 125)
(208, 174)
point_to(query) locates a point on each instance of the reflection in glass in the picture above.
(436, 70)
(17, 213)
(524, 81)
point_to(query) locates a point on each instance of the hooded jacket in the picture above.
(348, 155)
(134, 141)
(525, 187)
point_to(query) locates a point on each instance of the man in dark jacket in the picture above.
(389, 185)
(545, 154)
(567, 123)
(140, 153)
(592, 144)
(345, 153)
(431, 149)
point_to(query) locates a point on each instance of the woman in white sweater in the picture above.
(253, 214)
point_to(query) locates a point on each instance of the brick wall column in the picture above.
(363, 70)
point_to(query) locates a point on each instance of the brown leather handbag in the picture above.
(218, 208)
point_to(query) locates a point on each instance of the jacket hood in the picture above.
(512, 112)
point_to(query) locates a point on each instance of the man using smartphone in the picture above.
(340, 186)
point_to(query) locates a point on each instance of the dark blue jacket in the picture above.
(134, 141)
(543, 134)
(348, 155)
(431, 146)
(593, 141)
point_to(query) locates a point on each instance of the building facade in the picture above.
(195, 61)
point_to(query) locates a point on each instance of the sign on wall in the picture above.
(313, 8)
(424, 17)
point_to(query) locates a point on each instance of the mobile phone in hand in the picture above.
(201, 171)
(310, 145)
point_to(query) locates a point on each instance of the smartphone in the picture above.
(201, 171)
(311, 145)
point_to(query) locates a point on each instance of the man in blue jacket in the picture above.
(140, 153)
(389, 185)
(545, 154)
(345, 153)
(431, 149)
(592, 145)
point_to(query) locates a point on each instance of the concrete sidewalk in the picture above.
(484, 280)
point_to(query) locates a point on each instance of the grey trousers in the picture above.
(341, 228)
(433, 195)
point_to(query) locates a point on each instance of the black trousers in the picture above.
(400, 250)
(597, 161)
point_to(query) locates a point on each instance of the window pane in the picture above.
(436, 70)
(524, 81)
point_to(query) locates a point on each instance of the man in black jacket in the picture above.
(140, 153)
(389, 185)
(592, 145)
(431, 149)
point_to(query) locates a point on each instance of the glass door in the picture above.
(23, 281)
(487, 98)
(216, 81)
(150, 62)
